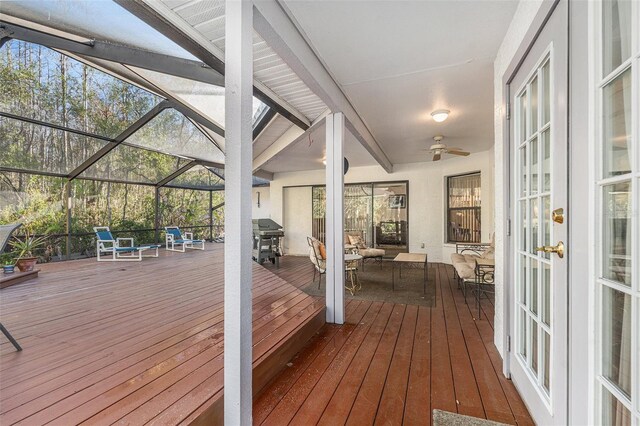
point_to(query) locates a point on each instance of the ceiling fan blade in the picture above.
(454, 152)
(436, 157)
(454, 149)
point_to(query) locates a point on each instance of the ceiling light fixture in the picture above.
(440, 115)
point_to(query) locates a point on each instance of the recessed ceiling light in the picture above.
(440, 115)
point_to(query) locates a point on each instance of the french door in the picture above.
(616, 194)
(538, 135)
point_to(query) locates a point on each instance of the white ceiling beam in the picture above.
(289, 138)
(275, 26)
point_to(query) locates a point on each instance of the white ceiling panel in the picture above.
(207, 17)
(398, 111)
(397, 61)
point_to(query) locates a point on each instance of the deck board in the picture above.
(403, 364)
(134, 342)
(128, 343)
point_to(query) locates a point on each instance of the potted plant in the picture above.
(6, 260)
(25, 246)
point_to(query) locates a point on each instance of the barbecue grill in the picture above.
(267, 236)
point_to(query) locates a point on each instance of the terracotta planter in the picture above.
(26, 264)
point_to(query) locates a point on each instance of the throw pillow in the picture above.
(323, 251)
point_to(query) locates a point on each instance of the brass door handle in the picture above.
(558, 249)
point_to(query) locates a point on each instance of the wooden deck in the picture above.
(137, 342)
(393, 364)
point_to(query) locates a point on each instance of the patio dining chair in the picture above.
(175, 241)
(5, 235)
(319, 263)
(106, 244)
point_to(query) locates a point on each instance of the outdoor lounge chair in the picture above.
(106, 244)
(356, 239)
(5, 235)
(175, 239)
(319, 263)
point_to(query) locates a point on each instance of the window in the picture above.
(463, 208)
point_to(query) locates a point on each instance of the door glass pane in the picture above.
(616, 98)
(546, 294)
(546, 360)
(546, 160)
(358, 208)
(616, 33)
(534, 346)
(523, 171)
(616, 232)
(523, 224)
(613, 411)
(523, 279)
(390, 216)
(546, 94)
(534, 225)
(533, 94)
(546, 224)
(534, 286)
(522, 128)
(523, 333)
(616, 338)
(534, 170)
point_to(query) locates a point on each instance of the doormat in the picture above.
(446, 418)
(376, 285)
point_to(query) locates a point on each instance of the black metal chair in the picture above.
(485, 283)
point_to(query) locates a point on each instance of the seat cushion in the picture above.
(371, 252)
(457, 258)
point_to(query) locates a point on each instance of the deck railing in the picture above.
(78, 245)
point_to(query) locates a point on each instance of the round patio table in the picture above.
(351, 269)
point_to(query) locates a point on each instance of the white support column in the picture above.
(237, 254)
(335, 218)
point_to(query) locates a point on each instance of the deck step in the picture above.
(268, 366)
(7, 280)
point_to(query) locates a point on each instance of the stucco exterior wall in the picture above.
(427, 202)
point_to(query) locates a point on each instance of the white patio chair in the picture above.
(115, 251)
(174, 239)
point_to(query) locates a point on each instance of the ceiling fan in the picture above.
(439, 148)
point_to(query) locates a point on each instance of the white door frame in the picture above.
(544, 13)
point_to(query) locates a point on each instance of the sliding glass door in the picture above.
(379, 211)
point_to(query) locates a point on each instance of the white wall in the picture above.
(520, 24)
(427, 202)
(264, 211)
(297, 220)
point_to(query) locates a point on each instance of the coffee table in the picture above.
(413, 259)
